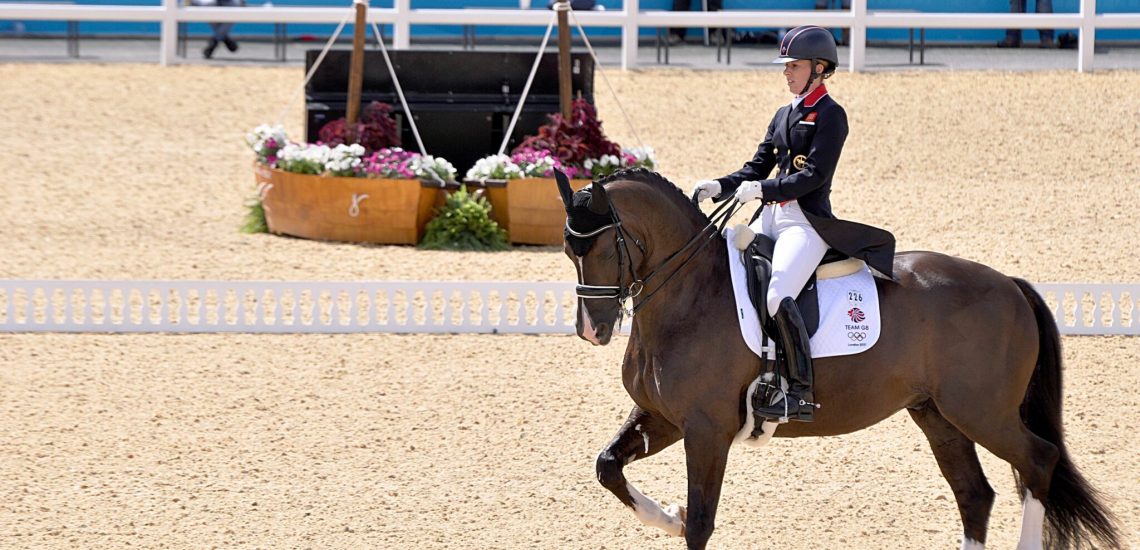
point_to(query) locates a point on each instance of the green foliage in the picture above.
(254, 218)
(464, 223)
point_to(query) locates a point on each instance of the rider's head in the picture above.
(809, 56)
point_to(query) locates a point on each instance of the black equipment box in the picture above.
(462, 100)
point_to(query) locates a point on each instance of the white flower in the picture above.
(494, 167)
(341, 160)
(426, 167)
(263, 133)
(645, 156)
(540, 167)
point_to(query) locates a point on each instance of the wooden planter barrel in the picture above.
(387, 211)
(530, 209)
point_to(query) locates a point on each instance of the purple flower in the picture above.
(391, 163)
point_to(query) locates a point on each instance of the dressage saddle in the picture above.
(757, 250)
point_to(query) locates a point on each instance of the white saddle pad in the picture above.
(848, 311)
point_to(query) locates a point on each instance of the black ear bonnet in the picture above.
(583, 220)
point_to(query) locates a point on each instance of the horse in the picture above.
(974, 356)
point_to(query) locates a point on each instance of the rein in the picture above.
(719, 217)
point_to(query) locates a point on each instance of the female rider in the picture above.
(804, 141)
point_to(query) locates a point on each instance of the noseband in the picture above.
(622, 292)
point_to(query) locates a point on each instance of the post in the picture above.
(168, 33)
(402, 28)
(629, 34)
(858, 35)
(564, 93)
(356, 70)
(1087, 39)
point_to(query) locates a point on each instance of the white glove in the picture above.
(705, 189)
(749, 191)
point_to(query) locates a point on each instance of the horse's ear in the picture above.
(564, 188)
(599, 201)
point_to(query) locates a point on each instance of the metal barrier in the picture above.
(397, 307)
(630, 19)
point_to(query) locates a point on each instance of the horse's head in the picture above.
(611, 250)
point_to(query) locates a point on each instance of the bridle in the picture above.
(622, 292)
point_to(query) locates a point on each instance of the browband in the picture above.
(590, 234)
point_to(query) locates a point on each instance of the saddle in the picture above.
(757, 249)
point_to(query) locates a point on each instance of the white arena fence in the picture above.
(630, 19)
(394, 307)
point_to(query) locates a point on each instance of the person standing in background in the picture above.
(1013, 36)
(839, 5)
(221, 30)
(677, 35)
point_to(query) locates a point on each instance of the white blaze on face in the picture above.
(589, 332)
(971, 544)
(1032, 523)
(650, 513)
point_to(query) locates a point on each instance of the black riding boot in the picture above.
(799, 401)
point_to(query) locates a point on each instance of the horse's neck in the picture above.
(700, 286)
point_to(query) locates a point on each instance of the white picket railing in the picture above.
(299, 307)
(397, 307)
(630, 19)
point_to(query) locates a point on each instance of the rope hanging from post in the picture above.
(399, 89)
(317, 63)
(526, 87)
(598, 64)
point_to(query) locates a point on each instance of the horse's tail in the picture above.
(1074, 510)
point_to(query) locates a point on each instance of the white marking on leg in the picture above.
(745, 433)
(644, 436)
(971, 544)
(650, 513)
(1032, 523)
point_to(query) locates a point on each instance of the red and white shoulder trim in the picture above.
(816, 95)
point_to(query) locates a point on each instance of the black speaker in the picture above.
(462, 101)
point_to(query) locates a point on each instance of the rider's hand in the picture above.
(705, 189)
(749, 191)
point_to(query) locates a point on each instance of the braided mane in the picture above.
(660, 184)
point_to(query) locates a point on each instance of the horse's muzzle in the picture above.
(598, 334)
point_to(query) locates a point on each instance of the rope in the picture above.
(526, 88)
(399, 89)
(598, 64)
(317, 63)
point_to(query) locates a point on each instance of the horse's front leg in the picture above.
(706, 455)
(643, 434)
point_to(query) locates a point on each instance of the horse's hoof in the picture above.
(679, 512)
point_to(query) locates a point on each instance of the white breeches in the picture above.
(798, 250)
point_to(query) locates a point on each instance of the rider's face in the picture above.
(797, 73)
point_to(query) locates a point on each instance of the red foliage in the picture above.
(375, 130)
(575, 140)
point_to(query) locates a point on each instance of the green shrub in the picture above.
(254, 218)
(464, 223)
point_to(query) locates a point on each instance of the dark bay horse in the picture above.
(973, 355)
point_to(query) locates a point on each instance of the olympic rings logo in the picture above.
(857, 336)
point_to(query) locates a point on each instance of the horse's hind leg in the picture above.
(958, 459)
(643, 434)
(1004, 434)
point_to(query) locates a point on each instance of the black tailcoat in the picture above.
(805, 143)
